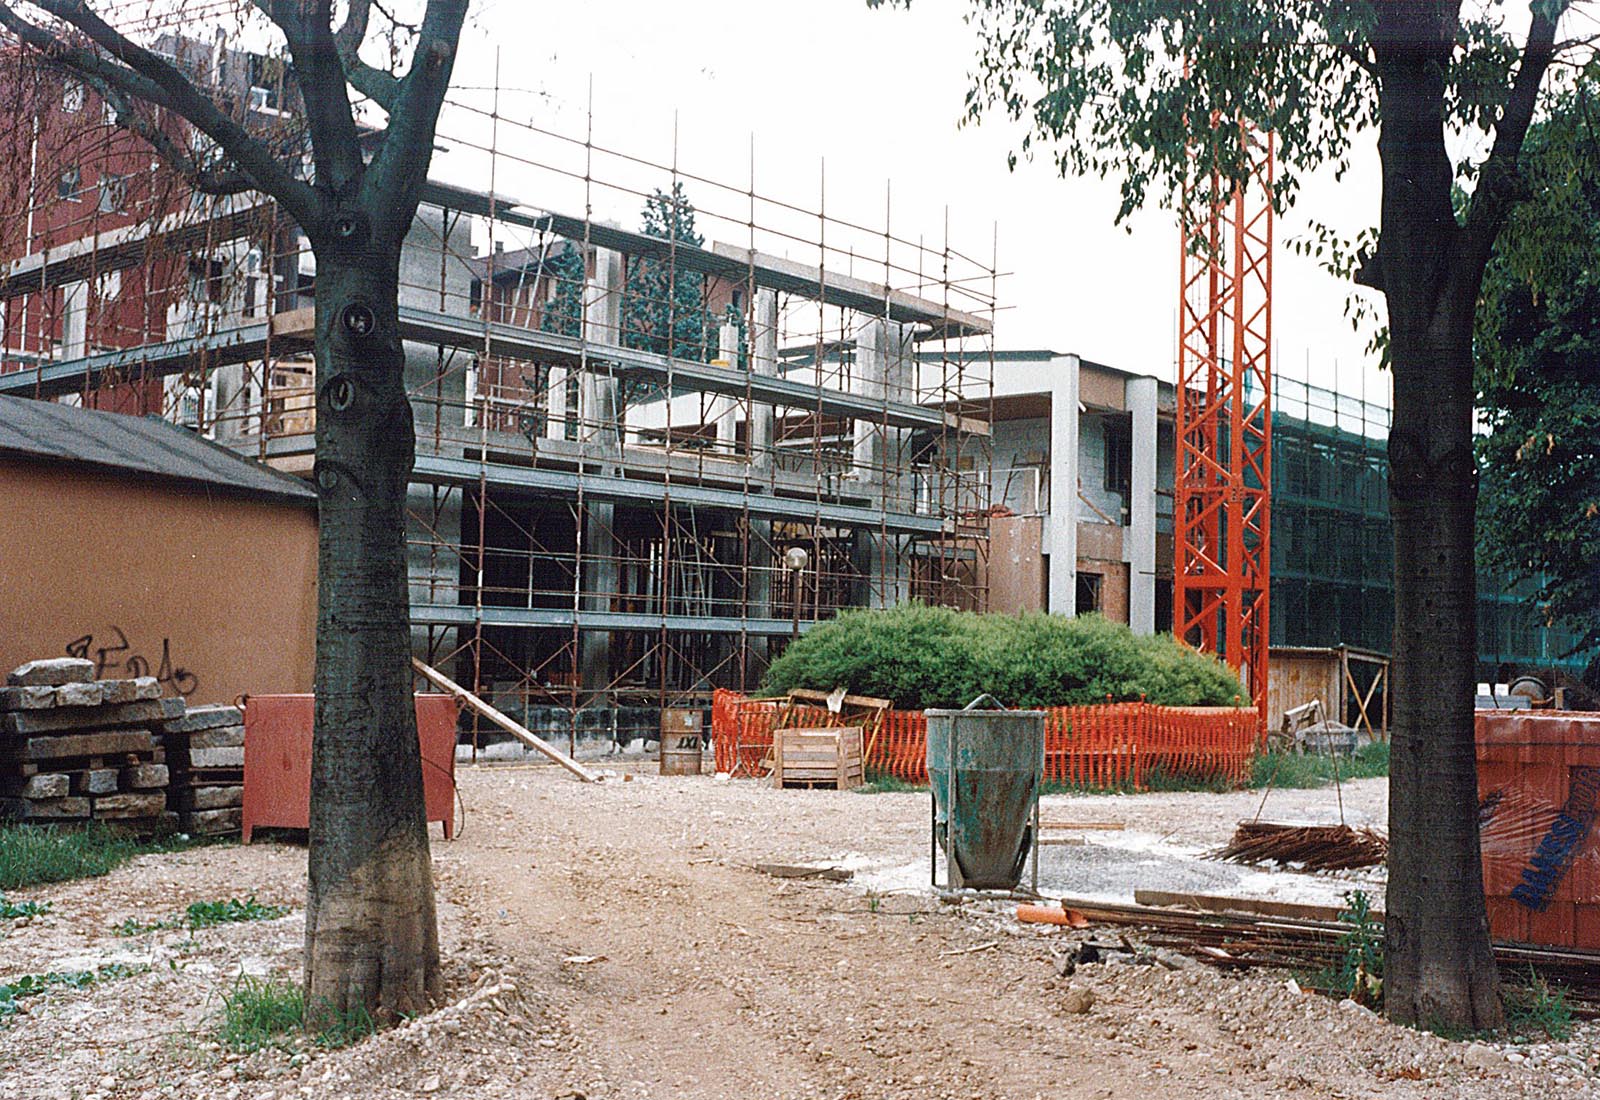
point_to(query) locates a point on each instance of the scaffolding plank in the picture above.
(438, 470)
(432, 614)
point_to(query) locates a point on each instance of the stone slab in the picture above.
(144, 777)
(131, 691)
(80, 695)
(27, 698)
(203, 718)
(97, 781)
(212, 822)
(130, 805)
(69, 745)
(142, 713)
(217, 758)
(51, 809)
(209, 798)
(52, 672)
(49, 785)
(224, 737)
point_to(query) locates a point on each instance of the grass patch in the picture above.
(31, 855)
(205, 914)
(1291, 770)
(259, 1013)
(884, 783)
(34, 985)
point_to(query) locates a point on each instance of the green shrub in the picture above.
(205, 914)
(923, 657)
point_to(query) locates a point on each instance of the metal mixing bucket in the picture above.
(985, 767)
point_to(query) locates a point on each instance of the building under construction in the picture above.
(646, 457)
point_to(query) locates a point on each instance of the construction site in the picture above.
(1090, 795)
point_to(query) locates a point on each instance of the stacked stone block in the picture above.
(205, 753)
(75, 749)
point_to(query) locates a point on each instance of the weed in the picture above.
(33, 985)
(32, 854)
(205, 914)
(1537, 1007)
(874, 901)
(22, 910)
(258, 1013)
(1359, 972)
(1291, 770)
(885, 783)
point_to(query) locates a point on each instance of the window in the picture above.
(67, 185)
(1118, 437)
(113, 193)
(1088, 592)
(72, 96)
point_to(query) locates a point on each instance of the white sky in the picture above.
(877, 94)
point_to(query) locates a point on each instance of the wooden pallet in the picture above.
(830, 758)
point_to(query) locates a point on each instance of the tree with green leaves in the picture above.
(371, 934)
(563, 313)
(1539, 377)
(663, 304)
(1131, 89)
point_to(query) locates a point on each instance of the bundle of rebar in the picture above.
(1237, 941)
(1313, 847)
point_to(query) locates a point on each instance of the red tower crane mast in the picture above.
(1222, 515)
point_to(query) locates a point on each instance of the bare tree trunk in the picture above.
(1439, 969)
(371, 938)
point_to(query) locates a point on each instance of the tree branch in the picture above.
(335, 144)
(370, 81)
(175, 92)
(1500, 183)
(207, 180)
(394, 181)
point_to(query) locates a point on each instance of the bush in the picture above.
(923, 657)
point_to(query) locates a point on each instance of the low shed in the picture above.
(153, 552)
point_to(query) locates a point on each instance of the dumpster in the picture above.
(985, 766)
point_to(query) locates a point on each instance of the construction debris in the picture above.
(205, 755)
(515, 729)
(1312, 847)
(75, 749)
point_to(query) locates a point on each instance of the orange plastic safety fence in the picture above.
(1115, 745)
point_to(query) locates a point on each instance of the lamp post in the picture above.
(795, 560)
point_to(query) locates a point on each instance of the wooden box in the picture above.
(817, 758)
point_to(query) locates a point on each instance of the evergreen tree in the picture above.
(563, 313)
(663, 305)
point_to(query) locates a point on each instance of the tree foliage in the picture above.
(564, 312)
(663, 304)
(923, 657)
(1538, 378)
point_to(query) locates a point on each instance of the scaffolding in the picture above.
(620, 433)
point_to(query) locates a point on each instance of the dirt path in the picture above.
(614, 942)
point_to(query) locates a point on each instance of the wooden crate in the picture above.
(817, 758)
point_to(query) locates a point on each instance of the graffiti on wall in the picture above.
(115, 655)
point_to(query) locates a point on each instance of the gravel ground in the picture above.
(615, 942)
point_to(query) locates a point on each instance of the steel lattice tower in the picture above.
(1223, 482)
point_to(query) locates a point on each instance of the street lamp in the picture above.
(795, 560)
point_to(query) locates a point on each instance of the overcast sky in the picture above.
(877, 95)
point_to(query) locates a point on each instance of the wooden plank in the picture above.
(521, 733)
(1117, 826)
(791, 870)
(1212, 903)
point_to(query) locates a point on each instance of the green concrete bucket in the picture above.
(985, 767)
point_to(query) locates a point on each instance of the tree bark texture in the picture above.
(1439, 971)
(371, 939)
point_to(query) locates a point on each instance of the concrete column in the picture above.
(724, 409)
(602, 309)
(601, 431)
(883, 366)
(1062, 522)
(764, 362)
(1139, 538)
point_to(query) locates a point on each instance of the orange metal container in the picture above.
(1539, 799)
(277, 760)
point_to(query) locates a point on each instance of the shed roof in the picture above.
(136, 444)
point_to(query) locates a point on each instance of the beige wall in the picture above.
(212, 591)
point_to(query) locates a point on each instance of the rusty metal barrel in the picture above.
(985, 766)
